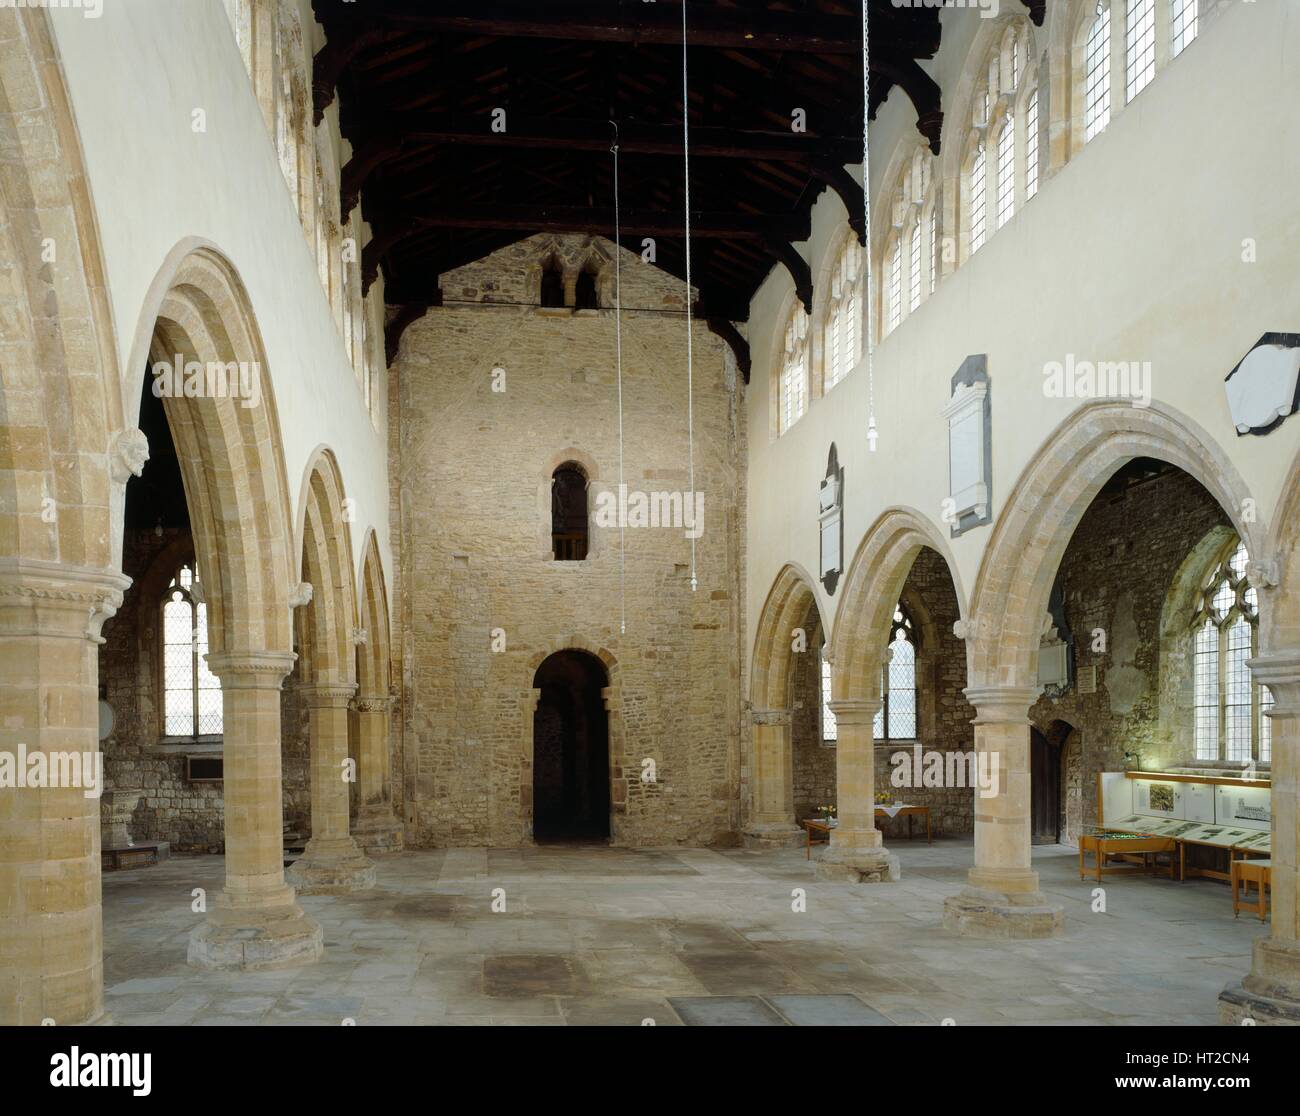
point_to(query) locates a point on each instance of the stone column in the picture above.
(772, 823)
(332, 864)
(856, 851)
(51, 919)
(1271, 993)
(255, 922)
(377, 829)
(1001, 898)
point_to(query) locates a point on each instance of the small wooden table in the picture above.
(820, 827)
(823, 828)
(910, 812)
(1246, 872)
(1104, 845)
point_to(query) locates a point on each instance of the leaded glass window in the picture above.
(191, 692)
(896, 718)
(1230, 724)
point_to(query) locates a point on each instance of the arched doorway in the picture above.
(571, 749)
(1046, 761)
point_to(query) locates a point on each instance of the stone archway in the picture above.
(612, 701)
(232, 465)
(571, 794)
(1009, 604)
(64, 462)
(1270, 993)
(332, 863)
(377, 829)
(771, 770)
(871, 593)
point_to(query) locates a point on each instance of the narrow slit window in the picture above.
(1139, 46)
(1096, 79)
(978, 202)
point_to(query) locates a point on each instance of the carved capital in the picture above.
(360, 636)
(251, 670)
(372, 703)
(1281, 674)
(39, 598)
(328, 695)
(852, 712)
(301, 595)
(1007, 705)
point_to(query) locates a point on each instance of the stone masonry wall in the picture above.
(814, 761)
(189, 815)
(471, 475)
(1117, 575)
(943, 713)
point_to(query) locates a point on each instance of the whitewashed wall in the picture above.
(1133, 251)
(135, 75)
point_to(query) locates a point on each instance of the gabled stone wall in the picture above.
(470, 476)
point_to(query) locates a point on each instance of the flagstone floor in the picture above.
(592, 935)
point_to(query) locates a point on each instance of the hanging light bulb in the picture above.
(871, 434)
(158, 529)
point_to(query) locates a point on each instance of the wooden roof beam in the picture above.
(600, 221)
(629, 22)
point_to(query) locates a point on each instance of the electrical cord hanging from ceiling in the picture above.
(618, 351)
(866, 232)
(690, 350)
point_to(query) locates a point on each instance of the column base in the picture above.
(773, 835)
(1270, 994)
(334, 869)
(858, 865)
(377, 831)
(979, 913)
(278, 935)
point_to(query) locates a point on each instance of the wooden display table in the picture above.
(1246, 872)
(1124, 846)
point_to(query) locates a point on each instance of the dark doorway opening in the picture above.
(570, 749)
(1045, 784)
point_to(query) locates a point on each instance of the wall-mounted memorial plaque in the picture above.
(1265, 387)
(970, 450)
(830, 519)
